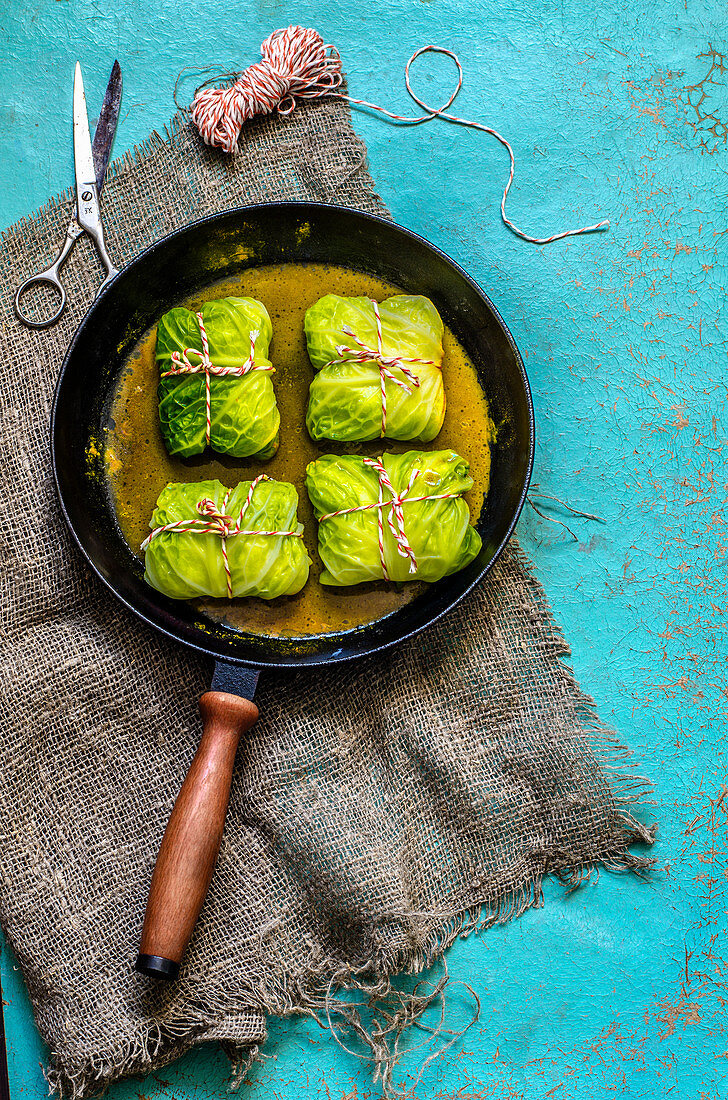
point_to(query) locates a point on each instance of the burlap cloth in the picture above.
(377, 809)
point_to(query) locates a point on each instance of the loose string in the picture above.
(535, 491)
(386, 363)
(214, 521)
(395, 515)
(383, 1036)
(297, 64)
(183, 365)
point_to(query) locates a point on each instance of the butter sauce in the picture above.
(139, 467)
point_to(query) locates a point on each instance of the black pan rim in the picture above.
(315, 660)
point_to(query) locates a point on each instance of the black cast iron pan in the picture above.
(167, 273)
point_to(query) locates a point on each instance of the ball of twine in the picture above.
(296, 63)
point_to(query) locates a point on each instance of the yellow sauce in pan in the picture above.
(139, 467)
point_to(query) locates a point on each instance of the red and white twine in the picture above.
(297, 64)
(183, 365)
(215, 521)
(386, 363)
(395, 515)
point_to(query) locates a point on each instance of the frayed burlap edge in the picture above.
(315, 994)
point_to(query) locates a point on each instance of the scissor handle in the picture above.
(49, 277)
(44, 278)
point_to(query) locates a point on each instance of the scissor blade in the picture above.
(87, 199)
(106, 126)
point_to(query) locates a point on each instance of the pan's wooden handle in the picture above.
(192, 838)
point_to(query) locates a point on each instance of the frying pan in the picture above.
(170, 271)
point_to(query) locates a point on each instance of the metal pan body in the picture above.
(220, 247)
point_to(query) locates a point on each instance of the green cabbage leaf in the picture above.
(187, 564)
(244, 415)
(438, 531)
(345, 400)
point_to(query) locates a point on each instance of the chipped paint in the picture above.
(618, 990)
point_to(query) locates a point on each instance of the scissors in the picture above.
(90, 163)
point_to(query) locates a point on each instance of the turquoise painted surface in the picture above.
(620, 110)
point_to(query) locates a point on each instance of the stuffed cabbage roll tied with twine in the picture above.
(379, 368)
(214, 386)
(208, 540)
(400, 517)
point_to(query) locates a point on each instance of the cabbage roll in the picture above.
(235, 413)
(367, 386)
(420, 532)
(192, 523)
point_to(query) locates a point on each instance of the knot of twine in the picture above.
(395, 513)
(183, 365)
(298, 64)
(386, 363)
(214, 521)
